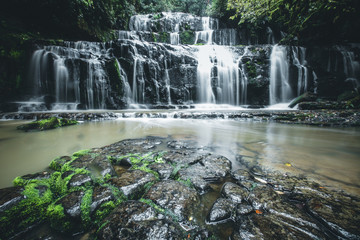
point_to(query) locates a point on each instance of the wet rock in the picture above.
(263, 197)
(137, 220)
(174, 196)
(185, 157)
(100, 195)
(132, 183)
(10, 197)
(79, 180)
(258, 226)
(182, 144)
(36, 176)
(243, 209)
(71, 204)
(163, 169)
(241, 175)
(234, 192)
(221, 210)
(340, 215)
(96, 162)
(210, 168)
(132, 146)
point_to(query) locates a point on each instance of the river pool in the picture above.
(327, 155)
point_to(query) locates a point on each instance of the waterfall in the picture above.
(351, 68)
(174, 36)
(280, 89)
(298, 54)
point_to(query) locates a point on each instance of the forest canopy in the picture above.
(319, 20)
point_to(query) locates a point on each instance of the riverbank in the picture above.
(162, 188)
(325, 118)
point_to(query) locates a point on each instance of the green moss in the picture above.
(46, 124)
(187, 183)
(30, 211)
(104, 211)
(55, 213)
(251, 69)
(159, 209)
(81, 152)
(19, 181)
(85, 208)
(164, 37)
(157, 16)
(154, 37)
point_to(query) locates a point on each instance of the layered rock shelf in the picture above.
(157, 188)
(327, 118)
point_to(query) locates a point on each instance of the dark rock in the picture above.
(209, 169)
(132, 183)
(263, 197)
(174, 196)
(241, 175)
(221, 210)
(184, 157)
(37, 176)
(340, 215)
(100, 195)
(137, 220)
(10, 197)
(234, 192)
(243, 209)
(163, 169)
(71, 204)
(96, 162)
(182, 144)
(132, 146)
(79, 180)
(306, 97)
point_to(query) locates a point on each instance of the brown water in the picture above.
(329, 156)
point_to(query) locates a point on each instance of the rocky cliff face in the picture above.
(177, 58)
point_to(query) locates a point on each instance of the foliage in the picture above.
(300, 18)
(196, 7)
(187, 37)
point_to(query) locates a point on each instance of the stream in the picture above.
(326, 155)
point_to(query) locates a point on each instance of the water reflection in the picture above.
(331, 156)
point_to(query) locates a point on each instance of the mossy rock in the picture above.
(187, 37)
(46, 124)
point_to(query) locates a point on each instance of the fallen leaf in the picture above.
(258, 211)
(288, 164)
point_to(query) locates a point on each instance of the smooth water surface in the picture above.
(330, 156)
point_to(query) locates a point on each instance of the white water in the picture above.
(299, 54)
(280, 89)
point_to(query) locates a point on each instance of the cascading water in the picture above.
(150, 65)
(299, 61)
(280, 89)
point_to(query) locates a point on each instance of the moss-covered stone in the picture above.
(187, 37)
(46, 124)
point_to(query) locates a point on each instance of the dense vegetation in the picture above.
(322, 21)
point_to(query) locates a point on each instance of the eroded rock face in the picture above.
(234, 192)
(137, 220)
(71, 204)
(174, 196)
